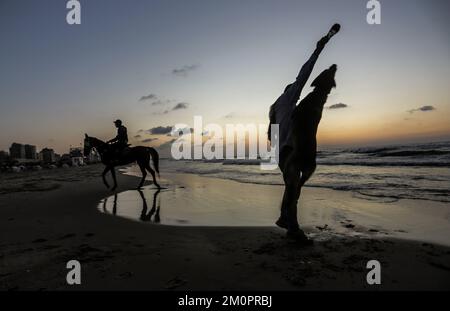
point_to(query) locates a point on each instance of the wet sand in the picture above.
(59, 220)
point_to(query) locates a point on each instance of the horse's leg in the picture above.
(113, 174)
(144, 174)
(147, 166)
(107, 168)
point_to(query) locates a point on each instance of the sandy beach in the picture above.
(50, 217)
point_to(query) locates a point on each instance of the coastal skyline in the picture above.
(154, 64)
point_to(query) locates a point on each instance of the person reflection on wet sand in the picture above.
(155, 209)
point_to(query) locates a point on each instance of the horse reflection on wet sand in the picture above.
(155, 208)
(145, 216)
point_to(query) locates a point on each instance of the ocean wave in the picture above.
(384, 193)
(439, 146)
(369, 150)
(412, 153)
(384, 163)
(356, 162)
(242, 162)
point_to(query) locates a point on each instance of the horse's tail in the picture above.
(155, 158)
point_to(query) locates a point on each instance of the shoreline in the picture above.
(45, 229)
(344, 212)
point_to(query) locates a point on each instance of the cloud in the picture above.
(137, 136)
(148, 140)
(184, 71)
(140, 131)
(160, 130)
(422, 109)
(230, 115)
(180, 106)
(338, 106)
(181, 131)
(155, 100)
(160, 102)
(148, 97)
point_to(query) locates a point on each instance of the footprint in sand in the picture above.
(39, 241)
(125, 275)
(325, 227)
(49, 247)
(67, 236)
(175, 282)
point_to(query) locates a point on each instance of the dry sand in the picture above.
(58, 220)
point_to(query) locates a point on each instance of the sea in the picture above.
(386, 173)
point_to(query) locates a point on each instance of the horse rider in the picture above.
(120, 142)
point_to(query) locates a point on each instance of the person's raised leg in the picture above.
(308, 67)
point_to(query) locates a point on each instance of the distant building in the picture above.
(65, 159)
(3, 156)
(93, 157)
(22, 152)
(77, 161)
(48, 155)
(17, 151)
(76, 152)
(30, 152)
(76, 156)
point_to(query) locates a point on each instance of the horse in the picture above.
(110, 159)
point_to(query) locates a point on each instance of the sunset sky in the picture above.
(157, 63)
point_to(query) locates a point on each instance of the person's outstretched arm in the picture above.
(294, 91)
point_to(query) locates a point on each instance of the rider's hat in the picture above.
(118, 122)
